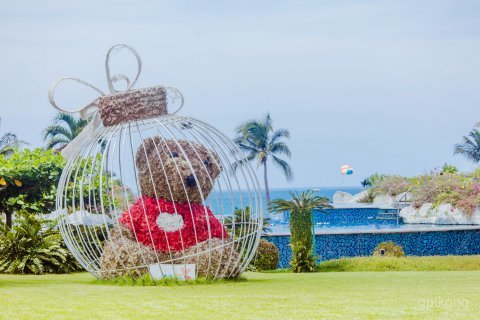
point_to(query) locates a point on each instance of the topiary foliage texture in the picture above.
(300, 207)
(388, 249)
(267, 256)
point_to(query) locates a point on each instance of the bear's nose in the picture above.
(190, 181)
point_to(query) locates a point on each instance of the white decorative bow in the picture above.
(93, 107)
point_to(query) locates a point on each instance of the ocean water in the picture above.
(327, 192)
(225, 203)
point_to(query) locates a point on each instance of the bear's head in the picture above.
(176, 170)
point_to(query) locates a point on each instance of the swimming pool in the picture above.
(381, 228)
(350, 232)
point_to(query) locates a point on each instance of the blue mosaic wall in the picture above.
(347, 216)
(334, 246)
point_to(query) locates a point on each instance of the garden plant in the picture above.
(300, 208)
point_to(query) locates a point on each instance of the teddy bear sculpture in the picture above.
(146, 189)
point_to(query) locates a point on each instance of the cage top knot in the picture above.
(120, 106)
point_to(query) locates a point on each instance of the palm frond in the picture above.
(284, 166)
(243, 161)
(469, 147)
(69, 120)
(267, 122)
(9, 143)
(57, 142)
(280, 133)
(259, 140)
(7, 151)
(65, 128)
(57, 130)
(300, 202)
(280, 148)
(8, 139)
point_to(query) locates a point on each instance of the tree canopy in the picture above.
(28, 180)
(65, 128)
(260, 141)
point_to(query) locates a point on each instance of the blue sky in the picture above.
(385, 86)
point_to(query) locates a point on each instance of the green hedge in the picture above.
(388, 249)
(266, 257)
(432, 263)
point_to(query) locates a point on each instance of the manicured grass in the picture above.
(360, 295)
(435, 263)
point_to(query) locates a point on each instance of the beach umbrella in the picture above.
(346, 169)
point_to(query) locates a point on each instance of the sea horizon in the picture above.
(227, 204)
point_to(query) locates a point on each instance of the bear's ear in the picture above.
(154, 146)
(210, 160)
(215, 165)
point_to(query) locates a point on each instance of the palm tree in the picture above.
(243, 221)
(302, 240)
(65, 128)
(470, 146)
(260, 141)
(8, 143)
(301, 202)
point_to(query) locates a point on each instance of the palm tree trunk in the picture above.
(265, 179)
(8, 220)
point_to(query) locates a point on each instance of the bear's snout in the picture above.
(190, 181)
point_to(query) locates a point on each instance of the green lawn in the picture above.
(357, 295)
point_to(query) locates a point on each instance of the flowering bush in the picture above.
(391, 185)
(141, 218)
(461, 191)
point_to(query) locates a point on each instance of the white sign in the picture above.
(174, 271)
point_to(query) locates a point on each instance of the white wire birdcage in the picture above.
(143, 189)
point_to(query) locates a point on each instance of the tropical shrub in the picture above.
(302, 257)
(28, 180)
(449, 169)
(243, 222)
(33, 247)
(388, 249)
(373, 180)
(300, 207)
(368, 198)
(380, 184)
(391, 185)
(113, 191)
(266, 257)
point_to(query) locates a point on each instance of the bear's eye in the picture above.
(174, 155)
(207, 163)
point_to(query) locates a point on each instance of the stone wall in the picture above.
(425, 243)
